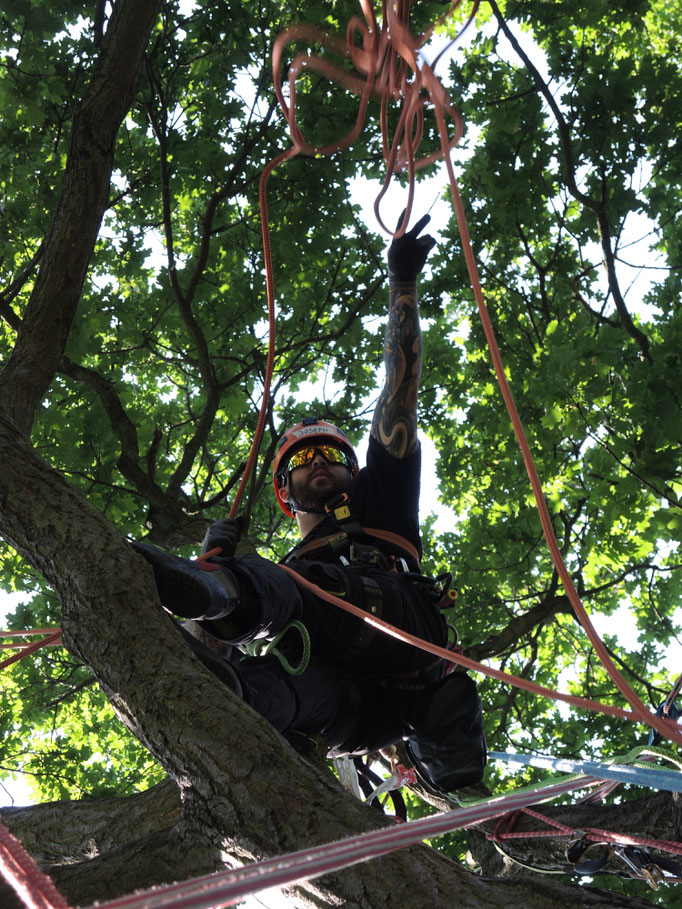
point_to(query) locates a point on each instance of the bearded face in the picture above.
(310, 487)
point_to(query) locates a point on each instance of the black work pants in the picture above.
(363, 688)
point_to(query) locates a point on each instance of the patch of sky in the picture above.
(73, 30)
(244, 87)
(187, 7)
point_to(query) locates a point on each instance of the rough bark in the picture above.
(94, 846)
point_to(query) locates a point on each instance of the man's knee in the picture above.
(309, 702)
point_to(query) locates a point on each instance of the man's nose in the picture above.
(318, 459)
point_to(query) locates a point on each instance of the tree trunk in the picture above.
(94, 850)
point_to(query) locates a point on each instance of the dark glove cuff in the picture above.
(395, 281)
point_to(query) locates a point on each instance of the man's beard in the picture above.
(303, 498)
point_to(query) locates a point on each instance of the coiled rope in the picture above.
(387, 63)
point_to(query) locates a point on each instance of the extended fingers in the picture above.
(419, 226)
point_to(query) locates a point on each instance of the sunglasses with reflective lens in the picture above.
(331, 455)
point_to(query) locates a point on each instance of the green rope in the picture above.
(265, 648)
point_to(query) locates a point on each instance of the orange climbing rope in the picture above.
(52, 638)
(387, 64)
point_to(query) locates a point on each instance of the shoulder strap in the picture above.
(334, 539)
(339, 508)
(340, 511)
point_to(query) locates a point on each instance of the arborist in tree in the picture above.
(361, 690)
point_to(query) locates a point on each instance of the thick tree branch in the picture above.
(185, 298)
(129, 459)
(520, 626)
(59, 833)
(84, 197)
(169, 523)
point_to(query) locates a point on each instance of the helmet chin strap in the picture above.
(293, 505)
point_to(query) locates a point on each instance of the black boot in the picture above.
(186, 589)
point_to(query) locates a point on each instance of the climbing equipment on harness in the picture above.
(263, 648)
(374, 787)
(309, 433)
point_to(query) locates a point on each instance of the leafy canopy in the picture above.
(573, 155)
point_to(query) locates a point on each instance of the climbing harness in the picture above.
(350, 532)
(461, 660)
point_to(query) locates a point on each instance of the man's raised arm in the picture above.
(395, 418)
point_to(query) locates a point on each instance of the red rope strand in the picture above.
(34, 888)
(51, 640)
(383, 63)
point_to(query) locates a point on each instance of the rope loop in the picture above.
(266, 648)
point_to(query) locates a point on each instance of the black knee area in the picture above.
(369, 719)
(447, 743)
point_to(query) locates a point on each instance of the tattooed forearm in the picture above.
(395, 417)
